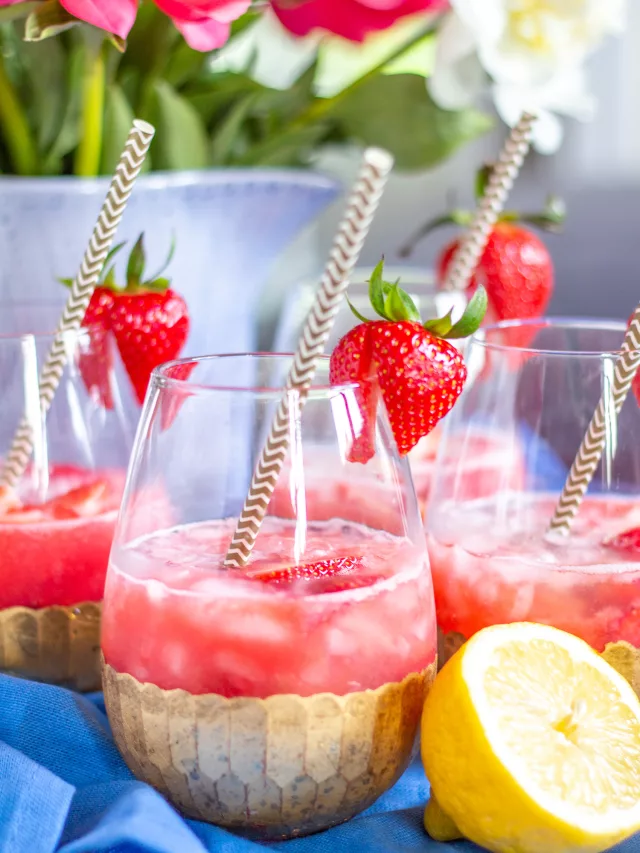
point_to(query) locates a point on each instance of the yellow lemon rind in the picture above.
(480, 784)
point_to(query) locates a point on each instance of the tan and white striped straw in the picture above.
(503, 176)
(127, 171)
(590, 452)
(361, 208)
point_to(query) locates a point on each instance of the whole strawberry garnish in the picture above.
(149, 321)
(96, 364)
(409, 365)
(515, 268)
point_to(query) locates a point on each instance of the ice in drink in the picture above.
(358, 614)
(54, 561)
(296, 684)
(493, 563)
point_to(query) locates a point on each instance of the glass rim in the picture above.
(161, 379)
(79, 334)
(45, 331)
(579, 323)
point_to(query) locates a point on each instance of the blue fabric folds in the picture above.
(64, 787)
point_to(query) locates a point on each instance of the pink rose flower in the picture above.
(351, 19)
(205, 24)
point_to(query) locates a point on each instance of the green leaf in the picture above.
(399, 306)
(118, 118)
(441, 326)
(168, 259)
(69, 134)
(136, 263)
(341, 63)
(48, 19)
(219, 93)
(396, 112)
(552, 218)
(287, 149)
(408, 305)
(462, 218)
(472, 317)
(244, 22)
(184, 65)
(158, 285)
(228, 131)
(355, 311)
(42, 86)
(181, 139)
(67, 282)
(109, 278)
(19, 10)
(376, 290)
(483, 176)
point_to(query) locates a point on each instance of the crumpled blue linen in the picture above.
(64, 787)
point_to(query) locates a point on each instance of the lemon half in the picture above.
(531, 742)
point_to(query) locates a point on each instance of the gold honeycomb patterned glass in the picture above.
(285, 697)
(57, 521)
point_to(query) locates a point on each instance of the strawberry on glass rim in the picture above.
(405, 363)
(515, 268)
(149, 321)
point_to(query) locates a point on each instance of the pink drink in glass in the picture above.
(490, 464)
(361, 618)
(488, 573)
(57, 552)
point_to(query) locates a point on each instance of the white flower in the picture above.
(530, 53)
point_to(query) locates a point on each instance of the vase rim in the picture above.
(195, 177)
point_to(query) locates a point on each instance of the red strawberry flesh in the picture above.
(627, 542)
(96, 362)
(517, 272)
(418, 375)
(150, 328)
(334, 574)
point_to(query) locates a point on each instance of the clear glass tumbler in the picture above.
(493, 560)
(285, 697)
(57, 521)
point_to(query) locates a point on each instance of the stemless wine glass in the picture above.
(420, 284)
(492, 556)
(284, 697)
(57, 521)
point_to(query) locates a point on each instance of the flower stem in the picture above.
(15, 128)
(89, 150)
(321, 106)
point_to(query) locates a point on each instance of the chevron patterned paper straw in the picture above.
(590, 451)
(127, 171)
(361, 208)
(500, 184)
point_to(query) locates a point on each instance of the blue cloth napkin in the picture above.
(64, 787)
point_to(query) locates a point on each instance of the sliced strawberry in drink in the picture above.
(334, 574)
(310, 571)
(627, 542)
(8, 499)
(84, 502)
(23, 515)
